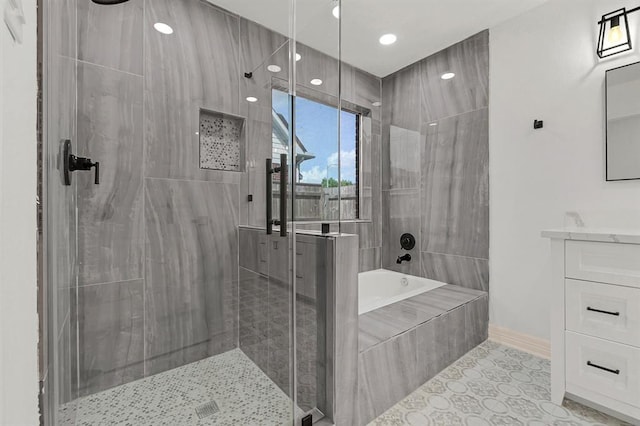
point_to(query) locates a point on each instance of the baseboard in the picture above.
(533, 345)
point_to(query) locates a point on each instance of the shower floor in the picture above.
(242, 393)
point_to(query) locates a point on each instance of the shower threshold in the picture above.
(226, 389)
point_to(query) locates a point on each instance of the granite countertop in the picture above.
(607, 235)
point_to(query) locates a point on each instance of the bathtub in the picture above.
(382, 287)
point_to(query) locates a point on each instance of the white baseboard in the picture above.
(533, 345)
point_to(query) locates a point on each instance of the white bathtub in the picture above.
(382, 287)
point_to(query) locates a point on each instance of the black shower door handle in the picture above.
(270, 170)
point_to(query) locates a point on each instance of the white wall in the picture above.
(18, 316)
(544, 66)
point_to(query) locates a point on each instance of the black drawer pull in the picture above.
(590, 364)
(616, 314)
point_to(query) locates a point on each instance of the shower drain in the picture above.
(208, 409)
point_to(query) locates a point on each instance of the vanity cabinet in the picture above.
(595, 320)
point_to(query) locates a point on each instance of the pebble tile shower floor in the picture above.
(242, 393)
(491, 385)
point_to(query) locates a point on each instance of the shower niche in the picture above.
(221, 141)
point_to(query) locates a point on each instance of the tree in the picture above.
(333, 183)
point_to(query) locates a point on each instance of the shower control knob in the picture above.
(407, 241)
(73, 163)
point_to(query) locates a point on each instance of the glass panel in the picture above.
(178, 308)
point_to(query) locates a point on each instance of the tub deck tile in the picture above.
(388, 321)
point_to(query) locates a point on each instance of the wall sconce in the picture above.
(614, 34)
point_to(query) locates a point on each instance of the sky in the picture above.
(316, 126)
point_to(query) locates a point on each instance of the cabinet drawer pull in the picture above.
(590, 364)
(616, 314)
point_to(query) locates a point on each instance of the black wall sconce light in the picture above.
(614, 36)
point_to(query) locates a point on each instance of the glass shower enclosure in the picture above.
(174, 276)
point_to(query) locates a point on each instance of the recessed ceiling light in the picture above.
(316, 82)
(388, 39)
(433, 124)
(377, 103)
(274, 68)
(298, 57)
(447, 76)
(336, 12)
(163, 28)
(252, 99)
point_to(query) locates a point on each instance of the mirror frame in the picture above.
(606, 126)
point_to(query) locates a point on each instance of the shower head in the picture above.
(109, 1)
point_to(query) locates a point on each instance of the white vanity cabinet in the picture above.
(595, 319)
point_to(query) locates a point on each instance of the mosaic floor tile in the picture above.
(242, 393)
(491, 385)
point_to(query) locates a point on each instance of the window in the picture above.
(318, 170)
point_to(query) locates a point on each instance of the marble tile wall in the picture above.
(158, 238)
(58, 341)
(435, 177)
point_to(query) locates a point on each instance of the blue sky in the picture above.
(316, 126)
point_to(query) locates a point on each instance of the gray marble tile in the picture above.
(400, 108)
(366, 232)
(121, 25)
(370, 259)
(360, 88)
(252, 249)
(343, 297)
(447, 297)
(61, 212)
(175, 359)
(455, 186)
(387, 373)
(61, 29)
(384, 323)
(317, 65)
(456, 324)
(259, 48)
(176, 91)
(110, 232)
(66, 374)
(477, 321)
(404, 158)
(468, 91)
(402, 214)
(463, 271)
(401, 99)
(432, 347)
(110, 331)
(191, 267)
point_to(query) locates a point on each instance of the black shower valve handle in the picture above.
(82, 163)
(97, 172)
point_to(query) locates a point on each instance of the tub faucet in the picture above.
(405, 258)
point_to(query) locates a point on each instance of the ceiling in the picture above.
(423, 27)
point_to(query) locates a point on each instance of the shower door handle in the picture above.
(283, 195)
(270, 170)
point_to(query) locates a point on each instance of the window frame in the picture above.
(340, 104)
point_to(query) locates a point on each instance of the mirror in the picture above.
(623, 122)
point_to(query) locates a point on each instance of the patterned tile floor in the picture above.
(491, 385)
(244, 395)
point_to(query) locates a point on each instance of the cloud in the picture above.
(348, 158)
(313, 175)
(348, 168)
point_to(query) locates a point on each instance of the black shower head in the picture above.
(109, 1)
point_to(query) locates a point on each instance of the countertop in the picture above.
(606, 235)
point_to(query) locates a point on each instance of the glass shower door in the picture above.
(156, 313)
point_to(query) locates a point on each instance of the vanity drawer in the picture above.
(602, 310)
(611, 263)
(602, 367)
